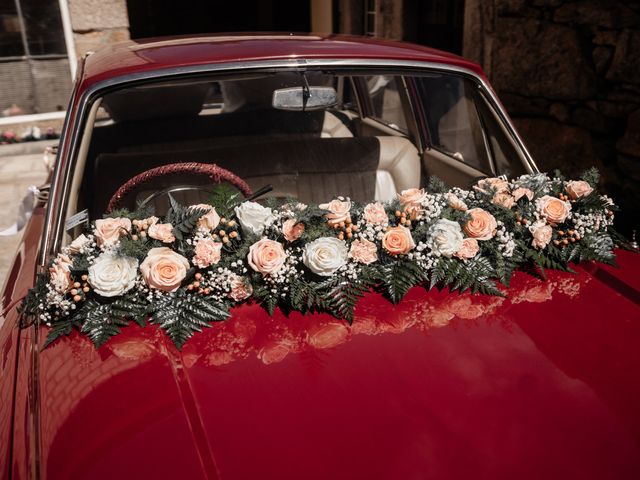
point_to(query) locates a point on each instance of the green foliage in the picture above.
(135, 248)
(591, 176)
(138, 214)
(181, 314)
(475, 275)
(183, 219)
(62, 327)
(398, 278)
(344, 297)
(225, 198)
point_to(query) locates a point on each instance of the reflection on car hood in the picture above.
(543, 384)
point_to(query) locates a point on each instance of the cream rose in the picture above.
(112, 275)
(454, 202)
(207, 253)
(578, 188)
(492, 185)
(553, 209)
(398, 240)
(162, 232)
(78, 244)
(325, 255)
(338, 211)
(266, 256)
(482, 225)
(164, 269)
(209, 220)
(445, 237)
(363, 251)
(60, 277)
(520, 192)
(241, 289)
(504, 200)
(109, 230)
(411, 199)
(541, 235)
(375, 213)
(468, 250)
(291, 230)
(253, 217)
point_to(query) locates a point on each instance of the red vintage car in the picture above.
(542, 383)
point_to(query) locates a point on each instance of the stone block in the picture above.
(87, 15)
(604, 13)
(591, 120)
(629, 144)
(602, 57)
(626, 59)
(537, 58)
(92, 41)
(524, 106)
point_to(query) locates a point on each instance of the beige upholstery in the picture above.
(398, 167)
(332, 127)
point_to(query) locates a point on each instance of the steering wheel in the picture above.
(215, 173)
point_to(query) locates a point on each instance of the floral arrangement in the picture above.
(188, 269)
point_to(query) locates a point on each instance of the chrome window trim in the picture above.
(65, 165)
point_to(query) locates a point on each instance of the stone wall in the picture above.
(97, 23)
(569, 74)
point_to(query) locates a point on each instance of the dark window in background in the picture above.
(43, 25)
(152, 18)
(10, 37)
(435, 23)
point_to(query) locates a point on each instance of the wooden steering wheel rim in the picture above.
(215, 173)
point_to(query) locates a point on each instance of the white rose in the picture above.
(253, 217)
(325, 255)
(112, 275)
(445, 237)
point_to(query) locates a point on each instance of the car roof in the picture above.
(155, 54)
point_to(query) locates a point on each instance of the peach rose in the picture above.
(162, 232)
(78, 244)
(164, 269)
(207, 253)
(339, 211)
(209, 220)
(109, 230)
(553, 209)
(363, 251)
(241, 289)
(60, 277)
(411, 199)
(291, 230)
(398, 240)
(504, 200)
(468, 250)
(374, 213)
(492, 185)
(266, 256)
(455, 202)
(541, 235)
(578, 188)
(482, 225)
(520, 192)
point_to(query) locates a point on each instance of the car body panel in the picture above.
(542, 384)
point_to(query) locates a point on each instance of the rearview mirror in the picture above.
(299, 99)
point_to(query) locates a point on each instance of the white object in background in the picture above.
(24, 212)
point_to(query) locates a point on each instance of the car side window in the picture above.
(453, 122)
(384, 92)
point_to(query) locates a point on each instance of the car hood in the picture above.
(542, 384)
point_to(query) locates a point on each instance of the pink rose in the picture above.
(363, 251)
(520, 192)
(374, 213)
(210, 220)
(207, 253)
(291, 230)
(109, 230)
(468, 250)
(541, 235)
(266, 256)
(553, 209)
(482, 225)
(339, 211)
(60, 277)
(411, 199)
(162, 232)
(241, 289)
(492, 185)
(504, 200)
(578, 188)
(398, 240)
(164, 269)
(455, 202)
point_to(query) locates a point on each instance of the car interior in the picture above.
(379, 135)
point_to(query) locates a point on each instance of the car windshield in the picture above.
(377, 134)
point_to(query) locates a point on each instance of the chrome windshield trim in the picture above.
(53, 233)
